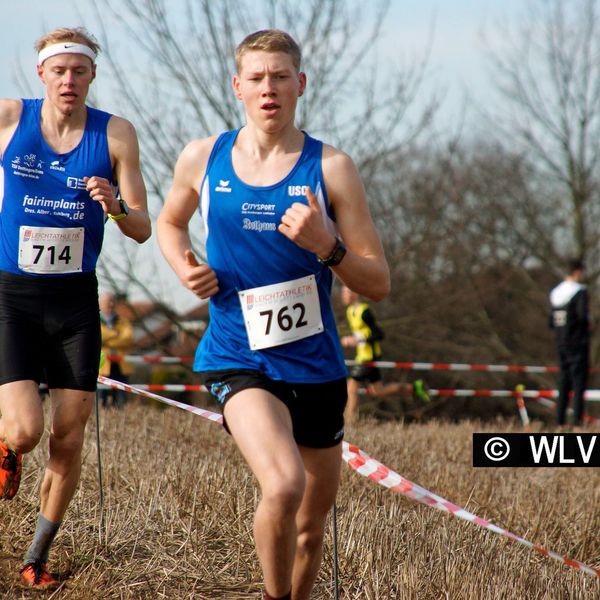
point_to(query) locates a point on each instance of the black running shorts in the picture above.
(364, 374)
(50, 330)
(316, 409)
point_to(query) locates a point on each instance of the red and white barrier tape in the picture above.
(168, 387)
(384, 364)
(591, 395)
(540, 396)
(372, 469)
(136, 359)
(117, 385)
(363, 464)
(522, 408)
(430, 366)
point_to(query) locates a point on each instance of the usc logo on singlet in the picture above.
(297, 190)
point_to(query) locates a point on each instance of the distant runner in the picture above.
(366, 337)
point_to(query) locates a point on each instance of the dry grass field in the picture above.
(178, 506)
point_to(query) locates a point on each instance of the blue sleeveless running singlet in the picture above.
(49, 225)
(246, 251)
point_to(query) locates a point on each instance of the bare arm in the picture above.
(364, 269)
(125, 154)
(10, 113)
(172, 226)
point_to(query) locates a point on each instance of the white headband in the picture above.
(65, 48)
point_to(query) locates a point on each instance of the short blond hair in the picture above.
(78, 35)
(269, 40)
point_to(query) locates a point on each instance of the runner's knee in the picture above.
(23, 437)
(284, 494)
(67, 444)
(310, 540)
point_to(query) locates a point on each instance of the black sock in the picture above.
(287, 596)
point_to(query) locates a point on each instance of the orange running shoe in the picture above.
(10, 472)
(36, 575)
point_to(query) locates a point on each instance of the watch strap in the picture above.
(124, 211)
(335, 256)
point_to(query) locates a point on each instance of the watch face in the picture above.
(336, 256)
(339, 253)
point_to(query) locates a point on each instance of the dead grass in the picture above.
(179, 504)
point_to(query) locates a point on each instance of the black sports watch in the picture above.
(124, 211)
(336, 255)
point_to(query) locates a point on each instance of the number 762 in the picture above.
(284, 319)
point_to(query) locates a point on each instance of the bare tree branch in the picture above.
(549, 82)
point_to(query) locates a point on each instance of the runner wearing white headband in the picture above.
(66, 48)
(64, 157)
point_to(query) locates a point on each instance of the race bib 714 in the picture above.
(51, 249)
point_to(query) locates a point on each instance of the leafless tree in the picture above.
(477, 231)
(460, 249)
(547, 73)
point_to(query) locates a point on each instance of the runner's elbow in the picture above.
(141, 234)
(378, 297)
(380, 290)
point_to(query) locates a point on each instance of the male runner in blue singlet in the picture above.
(276, 205)
(60, 162)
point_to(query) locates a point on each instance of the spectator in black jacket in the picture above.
(570, 320)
